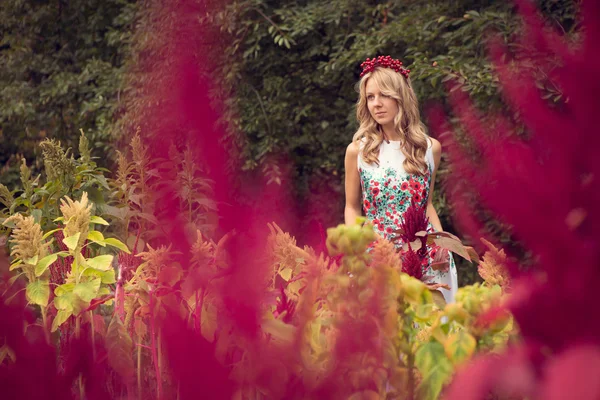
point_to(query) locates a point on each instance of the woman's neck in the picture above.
(389, 133)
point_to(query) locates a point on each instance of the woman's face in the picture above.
(383, 108)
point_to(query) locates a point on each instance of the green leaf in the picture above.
(208, 321)
(148, 217)
(14, 265)
(460, 346)
(50, 233)
(279, 330)
(87, 291)
(119, 347)
(44, 263)
(37, 215)
(60, 318)
(65, 301)
(38, 292)
(6, 352)
(32, 261)
(100, 263)
(96, 237)
(72, 241)
(64, 288)
(58, 219)
(106, 277)
(118, 244)
(9, 224)
(286, 274)
(98, 220)
(14, 278)
(435, 368)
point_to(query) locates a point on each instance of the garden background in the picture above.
(121, 209)
(285, 71)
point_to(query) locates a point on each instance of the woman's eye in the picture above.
(371, 97)
(386, 96)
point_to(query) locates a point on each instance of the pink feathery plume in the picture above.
(545, 189)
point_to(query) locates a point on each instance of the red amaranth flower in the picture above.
(411, 264)
(414, 220)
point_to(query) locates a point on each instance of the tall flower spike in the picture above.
(26, 180)
(383, 62)
(57, 163)
(84, 148)
(6, 196)
(76, 217)
(26, 238)
(493, 267)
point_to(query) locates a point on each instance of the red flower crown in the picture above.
(384, 62)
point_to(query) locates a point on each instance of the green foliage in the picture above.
(61, 69)
(136, 187)
(432, 359)
(288, 73)
(119, 347)
(285, 70)
(65, 174)
(319, 298)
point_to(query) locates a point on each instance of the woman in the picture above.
(391, 162)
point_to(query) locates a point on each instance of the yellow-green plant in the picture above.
(88, 278)
(65, 175)
(477, 322)
(30, 257)
(136, 188)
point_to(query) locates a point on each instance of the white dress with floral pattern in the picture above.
(387, 191)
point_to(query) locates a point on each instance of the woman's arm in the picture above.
(431, 213)
(352, 184)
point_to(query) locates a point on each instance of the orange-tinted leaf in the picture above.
(119, 347)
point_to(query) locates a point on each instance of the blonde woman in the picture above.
(391, 162)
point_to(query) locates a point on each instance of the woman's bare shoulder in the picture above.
(436, 146)
(352, 149)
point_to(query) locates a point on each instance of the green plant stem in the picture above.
(189, 201)
(154, 347)
(139, 368)
(77, 326)
(159, 352)
(410, 356)
(45, 324)
(200, 312)
(93, 336)
(411, 375)
(80, 378)
(81, 387)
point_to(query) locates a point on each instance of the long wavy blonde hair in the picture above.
(407, 122)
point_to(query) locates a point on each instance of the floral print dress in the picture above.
(387, 191)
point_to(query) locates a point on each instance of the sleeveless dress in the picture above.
(387, 191)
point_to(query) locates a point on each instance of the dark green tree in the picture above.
(61, 70)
